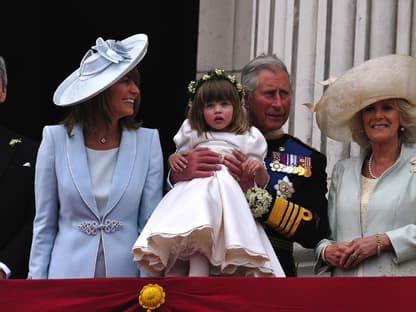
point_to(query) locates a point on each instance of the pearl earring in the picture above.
(401, 129)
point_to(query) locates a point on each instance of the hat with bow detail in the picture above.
(385, 77)
(102, 65)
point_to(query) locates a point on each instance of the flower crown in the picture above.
(216, 74)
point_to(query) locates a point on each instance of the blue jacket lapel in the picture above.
(124, 168)
(78, 165)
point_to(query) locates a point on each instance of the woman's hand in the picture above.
(334, 253)
(359, 250)
(348, 255)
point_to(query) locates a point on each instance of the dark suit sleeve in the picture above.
(17, 206)
(16, 254)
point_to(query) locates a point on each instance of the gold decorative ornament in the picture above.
(284, 188)
(379, 244)
(275, 165)
(151, 297)
(286, 216)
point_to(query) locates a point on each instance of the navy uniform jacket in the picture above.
(17, 167)
(298, 183)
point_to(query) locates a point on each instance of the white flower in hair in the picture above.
(216, 74)
(231, 78)
(219, 72)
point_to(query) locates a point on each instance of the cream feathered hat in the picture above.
(385, 77)
(102, 65)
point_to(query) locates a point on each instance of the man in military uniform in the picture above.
(297, 171)
(298, 212)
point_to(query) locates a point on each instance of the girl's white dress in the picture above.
(209, 215)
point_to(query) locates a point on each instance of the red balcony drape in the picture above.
(198, 294)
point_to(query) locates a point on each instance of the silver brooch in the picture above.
(284, 188)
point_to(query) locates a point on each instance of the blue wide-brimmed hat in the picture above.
(104, 64)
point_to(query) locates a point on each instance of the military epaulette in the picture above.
(286, 216)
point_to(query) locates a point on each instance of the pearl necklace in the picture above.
(370, 169)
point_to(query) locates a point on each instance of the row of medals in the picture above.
(276, 165)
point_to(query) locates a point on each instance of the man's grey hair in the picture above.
(263, 61)
(3, 72)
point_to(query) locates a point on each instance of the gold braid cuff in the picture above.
(286, 216)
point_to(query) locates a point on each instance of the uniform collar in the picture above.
(275, 134)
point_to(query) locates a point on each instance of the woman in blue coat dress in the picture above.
(99, 175)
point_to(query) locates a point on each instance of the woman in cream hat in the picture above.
(372, 198)
(99, 175)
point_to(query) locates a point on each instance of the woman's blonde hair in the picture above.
(407, 130)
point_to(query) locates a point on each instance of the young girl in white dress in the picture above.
(205, 226)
